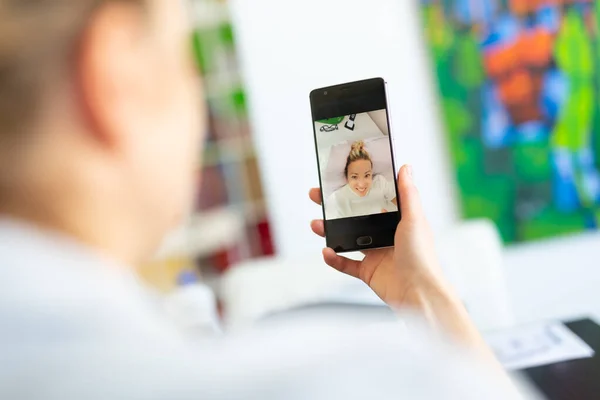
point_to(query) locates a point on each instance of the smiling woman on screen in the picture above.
(364, 194)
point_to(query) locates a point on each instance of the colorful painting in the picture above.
(520, 94)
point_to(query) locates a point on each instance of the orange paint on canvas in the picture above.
(501, 60)
(518, 88)
(535, 48)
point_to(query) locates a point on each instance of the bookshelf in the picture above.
(230, 222)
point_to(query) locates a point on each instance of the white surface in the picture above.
(535, 345)
(289, 48)
(193, 308)
(470, 255)
(258, 288)
(558, 279)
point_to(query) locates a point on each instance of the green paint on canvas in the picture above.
(532, 161)
(551, 223)
(468, 67)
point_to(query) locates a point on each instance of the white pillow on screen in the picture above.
(379, 149)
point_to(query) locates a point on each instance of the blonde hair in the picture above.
(38, 46)
(357, 152)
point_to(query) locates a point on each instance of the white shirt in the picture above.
(76, 326)
(345, 203)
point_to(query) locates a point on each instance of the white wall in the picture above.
(290, 47)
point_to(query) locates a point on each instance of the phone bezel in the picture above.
(343, 235)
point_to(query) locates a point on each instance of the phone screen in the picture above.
(356, 165)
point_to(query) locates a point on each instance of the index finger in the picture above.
(315, 195)
(342, 264)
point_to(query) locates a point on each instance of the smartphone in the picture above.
(357, 173)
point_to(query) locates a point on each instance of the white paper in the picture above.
(354, 292)
(535, 345)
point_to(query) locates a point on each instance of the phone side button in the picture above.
(364, 241)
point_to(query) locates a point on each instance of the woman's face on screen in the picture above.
(360, 177)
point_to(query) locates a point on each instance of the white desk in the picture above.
(563, 283)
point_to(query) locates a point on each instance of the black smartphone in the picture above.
(357, 172)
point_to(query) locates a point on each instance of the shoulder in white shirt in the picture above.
(76, 327)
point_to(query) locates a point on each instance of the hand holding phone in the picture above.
(391, 272)
(356, 165)
(408, 275)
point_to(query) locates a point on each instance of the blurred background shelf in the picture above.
(230, 223)
(204, 234)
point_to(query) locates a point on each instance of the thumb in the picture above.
(410, 201)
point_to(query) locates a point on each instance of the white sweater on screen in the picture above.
(345, 203)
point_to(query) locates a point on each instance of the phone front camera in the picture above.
(325, 92)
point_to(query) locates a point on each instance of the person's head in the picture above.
(359, 169)
(100, 119)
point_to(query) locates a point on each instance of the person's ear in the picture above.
(111, 80)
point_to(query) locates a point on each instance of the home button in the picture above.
(364, 241)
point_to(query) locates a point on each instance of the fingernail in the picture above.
(409, 171)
